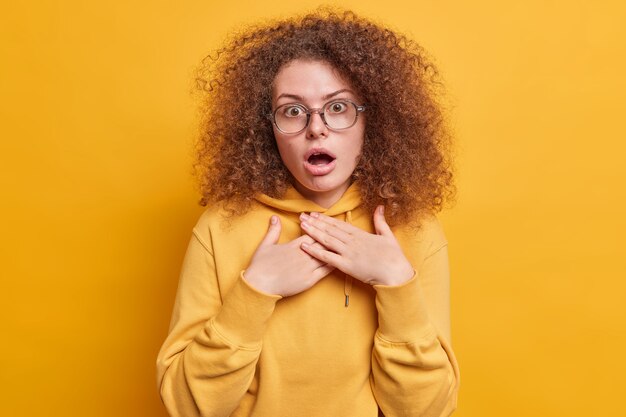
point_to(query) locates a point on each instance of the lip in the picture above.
(313, 151)
(319, 169)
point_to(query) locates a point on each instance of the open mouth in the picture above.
(320, 158)
(319, 161)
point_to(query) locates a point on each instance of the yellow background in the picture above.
(98, 202)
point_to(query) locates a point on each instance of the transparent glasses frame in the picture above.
(319, 111)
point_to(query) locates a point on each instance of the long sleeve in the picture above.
(208, 359)
(414, 370)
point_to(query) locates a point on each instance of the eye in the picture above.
(293, 111)
(337, 107)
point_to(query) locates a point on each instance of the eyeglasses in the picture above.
(337, 115)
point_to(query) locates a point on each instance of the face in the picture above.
(320, 159)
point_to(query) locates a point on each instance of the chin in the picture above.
(325, 184)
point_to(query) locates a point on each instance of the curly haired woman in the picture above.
(316, 282)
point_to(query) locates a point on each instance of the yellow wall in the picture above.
(98, 203)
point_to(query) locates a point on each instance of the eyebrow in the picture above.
(326, 97)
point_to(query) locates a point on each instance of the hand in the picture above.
(370, 258)
(284, 269)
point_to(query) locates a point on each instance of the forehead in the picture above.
(308, 79)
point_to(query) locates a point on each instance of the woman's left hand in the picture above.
(374, 259)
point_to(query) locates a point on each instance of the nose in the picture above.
(316, 127)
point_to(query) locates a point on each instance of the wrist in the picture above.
(397, 276)
(257, 282)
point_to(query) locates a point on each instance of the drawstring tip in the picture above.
(347, 300)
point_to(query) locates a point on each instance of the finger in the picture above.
(303, 239)
(273, 232)
(306, 239)
(380, 224)
(329, 228)
(314, 262)
(320, 247)
(322, 236)
(341, 225)
(322, 271)
(323, 255)
(317, 244)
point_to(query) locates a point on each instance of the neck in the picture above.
(322, 198)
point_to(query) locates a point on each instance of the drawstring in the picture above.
(347, 284)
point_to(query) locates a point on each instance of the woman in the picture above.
(316, 283)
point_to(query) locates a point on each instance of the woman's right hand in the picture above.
(284, 269)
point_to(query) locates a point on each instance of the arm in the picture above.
(208, 359)
(414, 370)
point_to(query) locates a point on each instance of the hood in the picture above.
(294, 202)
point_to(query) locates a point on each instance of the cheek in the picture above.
(287, 151)
(357, 144)
(280, 141)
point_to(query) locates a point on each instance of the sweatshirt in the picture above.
(233, 350)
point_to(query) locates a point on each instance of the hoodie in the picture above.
(341, 348)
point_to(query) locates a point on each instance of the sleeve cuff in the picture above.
(402, 313)
(244, 315)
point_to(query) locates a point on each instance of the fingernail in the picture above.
(273, 219)
(305, 225)
(303, 216)
(314, 214)
(381, 209)
(304, 245)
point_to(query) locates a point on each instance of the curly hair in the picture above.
(406, 159)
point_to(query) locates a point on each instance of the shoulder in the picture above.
(433, 232)
(208, 220)
(217, 223)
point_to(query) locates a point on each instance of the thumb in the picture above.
(380, 224)
(273, 232)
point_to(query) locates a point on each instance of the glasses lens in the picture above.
(340, 114)
(290, 118)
